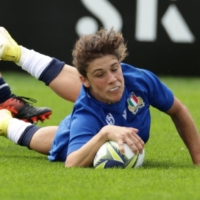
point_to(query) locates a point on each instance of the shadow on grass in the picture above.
(13, 154)
(166, 164)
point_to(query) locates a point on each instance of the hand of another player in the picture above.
(126, 135)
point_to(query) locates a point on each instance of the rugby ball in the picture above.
(109, 156)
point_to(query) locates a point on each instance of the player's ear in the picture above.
(85, 81)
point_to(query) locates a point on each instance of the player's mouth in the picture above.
(114, 89)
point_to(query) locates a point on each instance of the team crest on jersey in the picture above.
(134, 103)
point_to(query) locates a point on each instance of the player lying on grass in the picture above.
(21, 107)
(113, 103)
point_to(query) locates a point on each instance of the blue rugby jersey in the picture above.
(142, 90)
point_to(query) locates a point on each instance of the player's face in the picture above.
(105, 79)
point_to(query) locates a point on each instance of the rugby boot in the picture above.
(9, 49)
(5, 116)
(24, 110)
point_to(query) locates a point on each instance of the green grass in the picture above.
(168, 172)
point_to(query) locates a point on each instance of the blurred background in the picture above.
(162, 35)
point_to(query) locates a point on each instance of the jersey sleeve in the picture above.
(84, 126)
(160, 96)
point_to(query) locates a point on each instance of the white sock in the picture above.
(33, 62)
(15, 129)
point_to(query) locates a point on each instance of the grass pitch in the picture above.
(168, 172)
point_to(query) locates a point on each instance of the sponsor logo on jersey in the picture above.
(124, 114)
(134, 103)
(110, 119)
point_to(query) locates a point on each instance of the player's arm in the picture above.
(84, 156)
(186, 128)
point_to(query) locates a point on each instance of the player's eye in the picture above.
(99, 75)
(115, 68)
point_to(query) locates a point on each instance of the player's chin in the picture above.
(115, 99)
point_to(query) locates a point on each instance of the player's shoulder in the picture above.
(130, 72)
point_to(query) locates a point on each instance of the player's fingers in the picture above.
(134, 130)
(121, 146)
(137, 138)
(132, 145)
(135, 143)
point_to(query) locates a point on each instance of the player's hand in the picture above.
(123, 135)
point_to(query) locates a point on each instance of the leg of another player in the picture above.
(26, 134)
(5, 92)
(63, 79)
(42, 139)
(19, 106)
(67, 84)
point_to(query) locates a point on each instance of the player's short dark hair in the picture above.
(103, 42)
